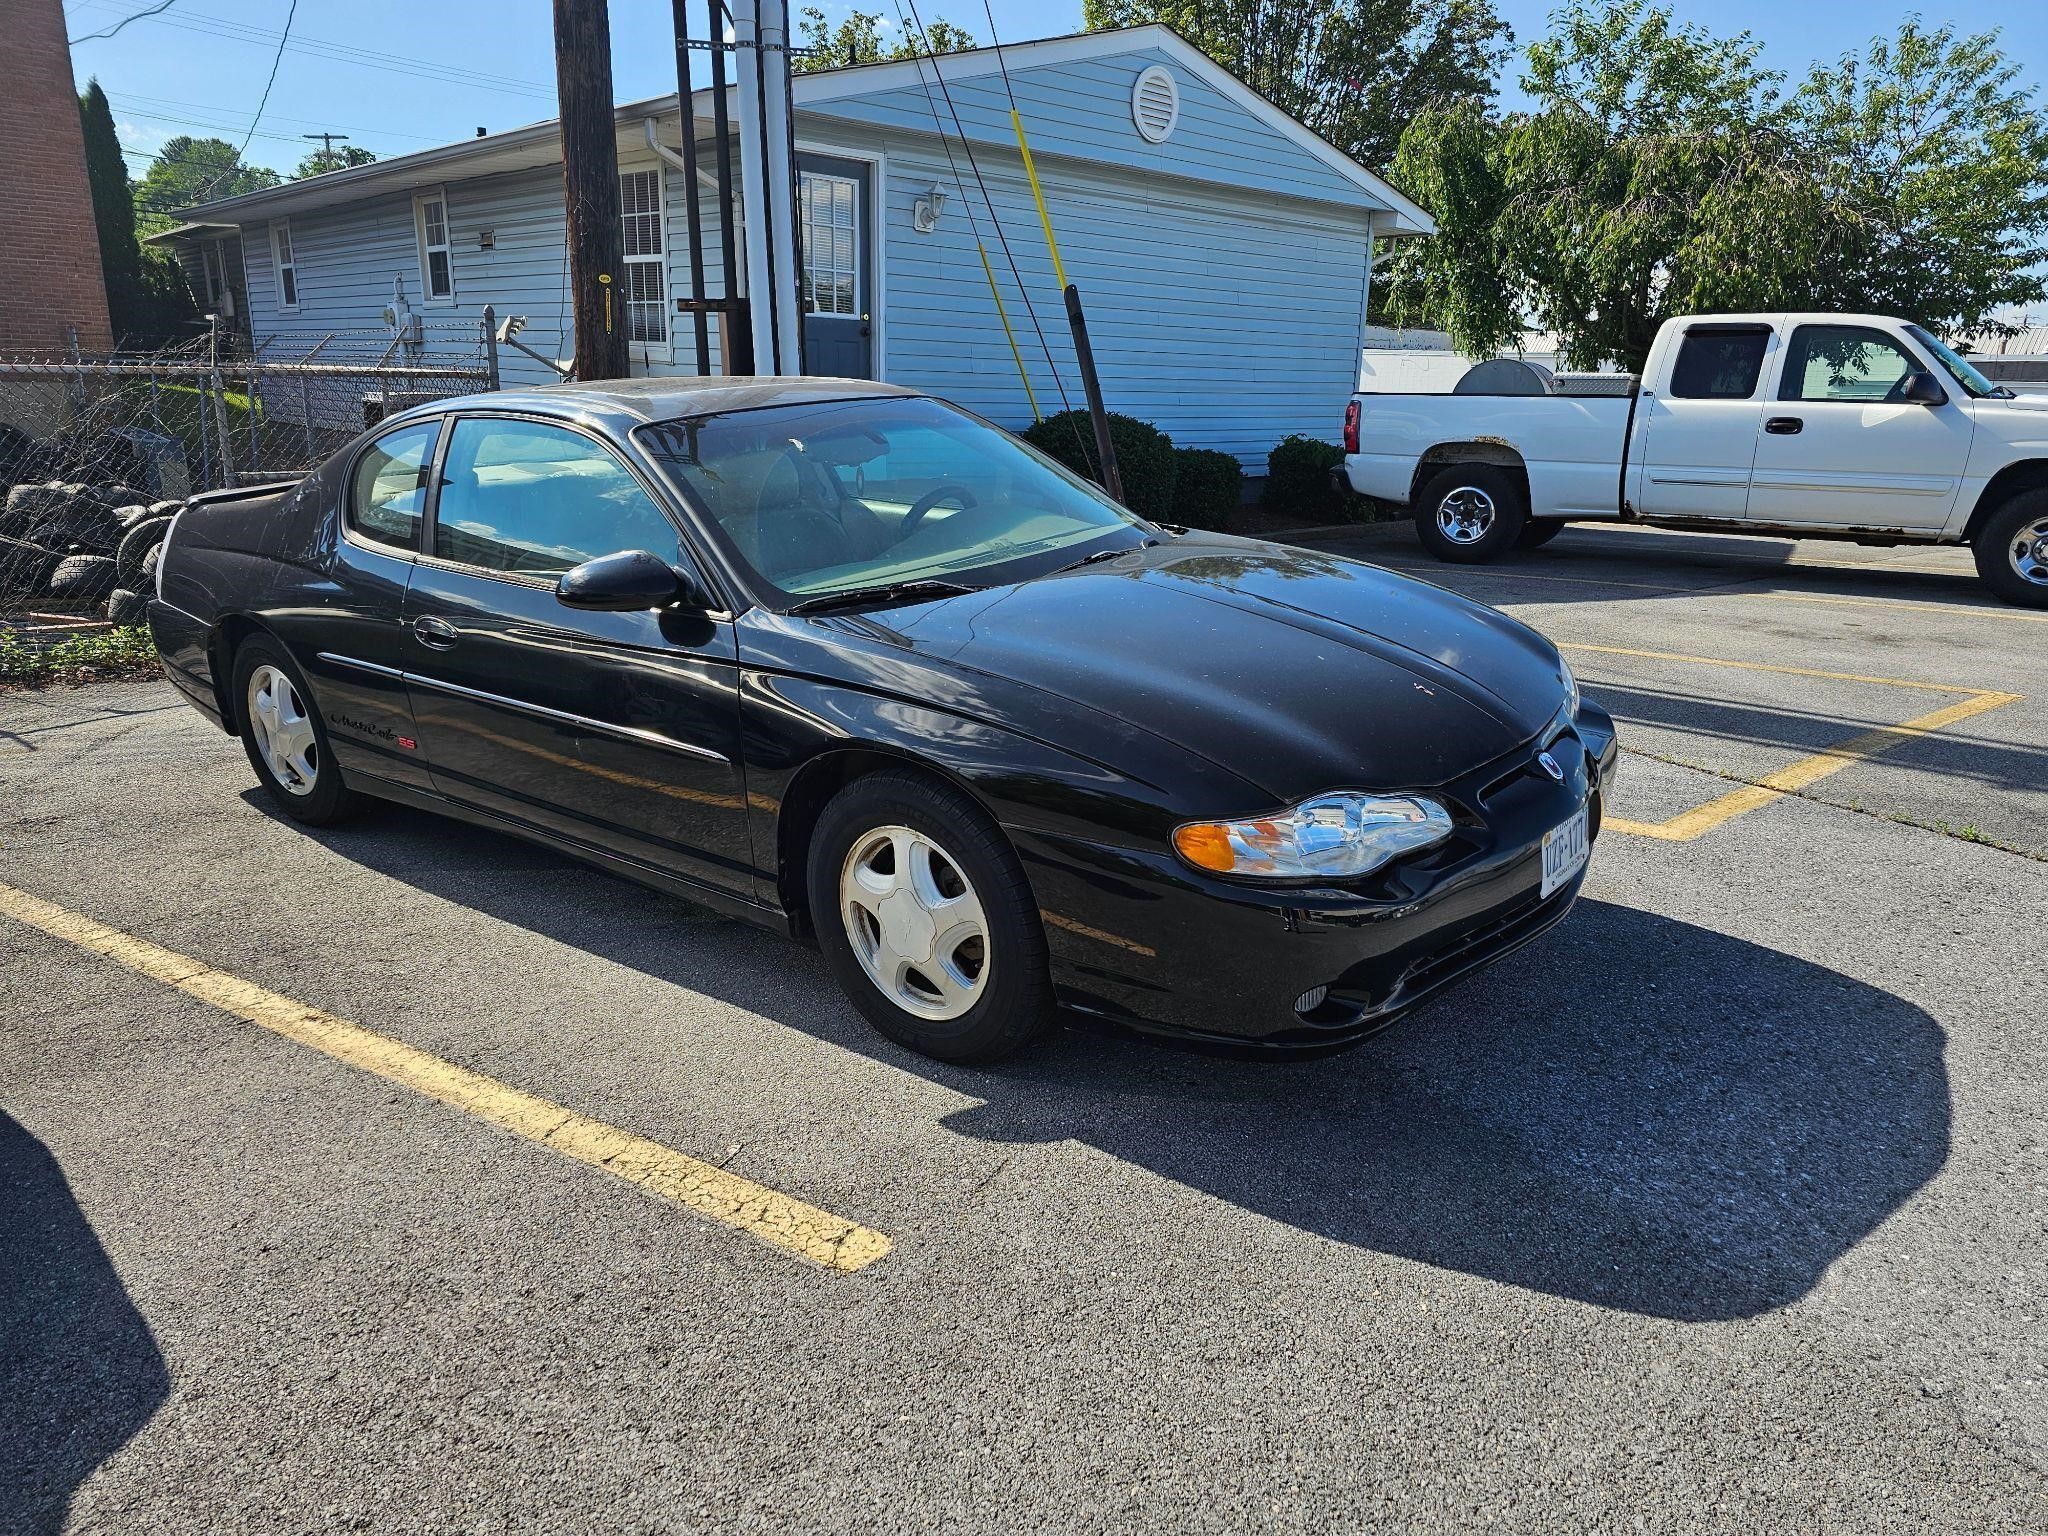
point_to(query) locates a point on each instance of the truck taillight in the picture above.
(1351, 427)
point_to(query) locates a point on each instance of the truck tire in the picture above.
(1539, 531)
(2012, 550)
(1470, 514)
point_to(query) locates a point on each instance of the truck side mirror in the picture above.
(1922, 388)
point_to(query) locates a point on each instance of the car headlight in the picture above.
(1571, 688)
(1333, 836)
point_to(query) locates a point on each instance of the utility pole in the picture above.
(327, 142)
(590, 185)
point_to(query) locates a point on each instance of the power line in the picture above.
(208, 106)
(262, 101)
(154, 10)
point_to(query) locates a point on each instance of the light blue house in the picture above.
(1223, 250)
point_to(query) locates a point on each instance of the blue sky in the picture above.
(398, 75)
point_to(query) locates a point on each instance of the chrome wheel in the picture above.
(2029, 552)
(915, 923)
(1465, 515)
(283, 731)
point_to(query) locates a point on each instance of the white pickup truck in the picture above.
(1809, 425)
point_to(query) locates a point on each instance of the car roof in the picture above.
(622, 404)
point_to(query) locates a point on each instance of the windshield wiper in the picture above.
(886, 592)
(1104, 554)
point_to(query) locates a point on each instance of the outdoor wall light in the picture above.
(924, 213)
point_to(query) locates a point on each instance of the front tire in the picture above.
(2012, 550)
(284, 736)
(1470, 514)
(1539, 531)
(927, 921)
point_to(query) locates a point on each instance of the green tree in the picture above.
(147, 299)
(1937, 162)
(338, 158)
(1664, 171)
(189, 171)
(859, 40)
(1355, 71)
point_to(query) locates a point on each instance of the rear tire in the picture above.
(927, 921)
(285, 738)
(1539, 531)
(2012, 550)
(1470, 514)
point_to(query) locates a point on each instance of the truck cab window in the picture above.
(1843, 364)
(1716, 364)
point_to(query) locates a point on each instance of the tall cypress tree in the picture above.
(146, 293)
(113, 209)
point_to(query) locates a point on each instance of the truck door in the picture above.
(1841, 447)
(1698, 436)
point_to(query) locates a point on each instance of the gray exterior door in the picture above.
(835, 201)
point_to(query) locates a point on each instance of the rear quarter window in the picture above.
(388, 490)
(1719, 365)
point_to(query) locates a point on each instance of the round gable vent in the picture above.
(1155, 104)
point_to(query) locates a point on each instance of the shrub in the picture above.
(1206, 487)
(1144, 456)
(1298, 482)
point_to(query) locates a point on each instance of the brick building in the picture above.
(50, 277)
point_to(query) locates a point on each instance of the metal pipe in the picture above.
(686, 111)
(735, 340)
(778, 130)
(1084, 354)
(746, 39)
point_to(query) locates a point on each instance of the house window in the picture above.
(437, 275)
(287, 269)
(831, 234)
(646, 266)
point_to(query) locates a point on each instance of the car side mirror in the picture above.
(630, 581)
(1922, 388)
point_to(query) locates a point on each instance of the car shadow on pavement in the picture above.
(1634, 1111)
(79, 1371)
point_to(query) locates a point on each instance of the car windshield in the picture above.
(845, 495)
(1958, 366)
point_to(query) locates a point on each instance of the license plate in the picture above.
(1564, 851)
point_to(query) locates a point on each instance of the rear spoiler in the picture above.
(243, 492)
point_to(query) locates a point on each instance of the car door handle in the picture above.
(1784, 426)
(435, 634)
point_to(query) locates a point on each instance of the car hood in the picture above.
(1295, 670)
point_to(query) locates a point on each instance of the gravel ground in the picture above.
(1721, 1209)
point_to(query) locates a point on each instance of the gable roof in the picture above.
(539, 144)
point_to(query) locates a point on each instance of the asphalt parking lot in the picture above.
(1723, 1208)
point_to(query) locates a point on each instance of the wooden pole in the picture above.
(590, 185)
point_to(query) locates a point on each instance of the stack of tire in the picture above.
(74, 543)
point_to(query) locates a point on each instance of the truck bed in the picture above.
(1572, 444)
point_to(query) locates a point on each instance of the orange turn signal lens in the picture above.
(1205, 845)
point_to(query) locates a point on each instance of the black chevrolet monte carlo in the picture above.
(846, 661)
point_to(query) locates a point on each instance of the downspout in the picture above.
(1364, 303)
(672, 157)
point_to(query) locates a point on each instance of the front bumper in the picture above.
(1140, 939)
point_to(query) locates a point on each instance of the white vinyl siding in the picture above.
(641, 214)
(287, 267)
(831, 244)
(437, 263)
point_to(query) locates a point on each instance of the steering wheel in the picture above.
(932, 498)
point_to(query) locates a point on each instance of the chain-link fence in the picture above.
(96, 452)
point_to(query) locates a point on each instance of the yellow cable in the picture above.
(1004, 316)
(1058, 271)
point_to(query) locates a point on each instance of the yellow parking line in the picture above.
(702, 1187)
(1956, 609)
(1688, 825)
(1772, 666)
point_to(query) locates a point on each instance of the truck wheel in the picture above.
(1471, 513)
(2012, 550)
(1539, 531)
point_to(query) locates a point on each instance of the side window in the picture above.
(525, 497)
(1845, 364)
(389, 489)
(1718, 365)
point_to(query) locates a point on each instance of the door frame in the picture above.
(877, 162)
